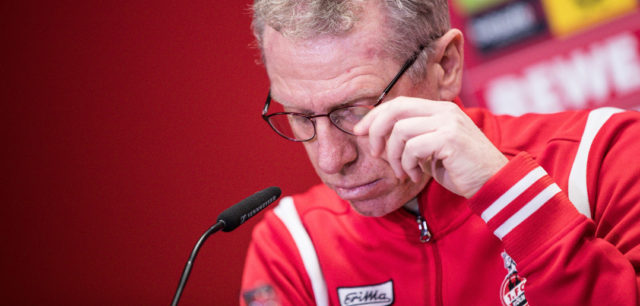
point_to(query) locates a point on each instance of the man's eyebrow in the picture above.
(364, 95)
(290, 108)
(361, 96)
(277, 100)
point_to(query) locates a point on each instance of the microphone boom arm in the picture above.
(187, 268)
(228, 220)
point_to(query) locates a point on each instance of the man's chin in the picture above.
(370, 208)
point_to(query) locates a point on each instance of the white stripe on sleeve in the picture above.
(577, 189)
(527, 210)
(513, 192)
(288, 214)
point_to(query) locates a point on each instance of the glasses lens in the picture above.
(294, 127)
(346, 118)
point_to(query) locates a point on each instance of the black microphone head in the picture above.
(247, 208)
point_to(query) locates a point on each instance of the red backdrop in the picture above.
(128, 126)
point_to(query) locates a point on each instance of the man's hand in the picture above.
(438, 138)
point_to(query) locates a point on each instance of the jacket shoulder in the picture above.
(530, 132)
(318, 197)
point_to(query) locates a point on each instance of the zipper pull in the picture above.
(425, 235)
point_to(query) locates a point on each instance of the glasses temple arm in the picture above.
(266, 103)
(404, 68)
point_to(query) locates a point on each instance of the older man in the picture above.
(424, 202)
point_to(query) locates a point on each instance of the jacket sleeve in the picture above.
(568, 258)
(273, 270)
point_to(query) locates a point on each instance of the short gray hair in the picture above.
(412, 23)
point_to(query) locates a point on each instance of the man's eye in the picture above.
(299, 120)
(351, 114)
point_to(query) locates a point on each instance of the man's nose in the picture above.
(335, 148)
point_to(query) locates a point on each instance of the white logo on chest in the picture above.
(380, 294)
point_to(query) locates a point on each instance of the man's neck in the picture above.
(412, 206)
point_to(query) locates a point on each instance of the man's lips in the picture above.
(351, 192)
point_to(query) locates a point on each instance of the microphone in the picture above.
(227, 221)
(237, 214)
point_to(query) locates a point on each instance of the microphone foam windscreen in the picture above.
(239, 213)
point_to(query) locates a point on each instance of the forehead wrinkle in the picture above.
(319, 54)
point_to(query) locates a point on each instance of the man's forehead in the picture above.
(326, 68)
(325, 71)
(365, 40)
(319, 53)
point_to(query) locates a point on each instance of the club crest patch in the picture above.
(261, 295)
(512, 289)
(379, 294)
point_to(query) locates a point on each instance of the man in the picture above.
(423, 202)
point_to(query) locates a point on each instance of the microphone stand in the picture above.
(187, 268)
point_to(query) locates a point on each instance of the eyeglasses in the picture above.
(302, 127)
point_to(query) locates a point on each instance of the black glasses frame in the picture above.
(386, 91)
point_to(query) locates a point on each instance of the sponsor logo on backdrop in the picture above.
(506, 25)
(585, 77)
(470, 7)
(569, 16)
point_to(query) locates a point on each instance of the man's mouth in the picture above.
(354, 192)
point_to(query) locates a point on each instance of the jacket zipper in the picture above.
(425, 237)
(425, 234)
(438, 264)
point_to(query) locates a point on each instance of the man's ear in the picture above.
(448, 61)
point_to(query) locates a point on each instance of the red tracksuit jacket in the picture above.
(558, 225)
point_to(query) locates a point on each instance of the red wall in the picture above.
(128, 126)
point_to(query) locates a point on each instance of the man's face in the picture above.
(316, 76)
